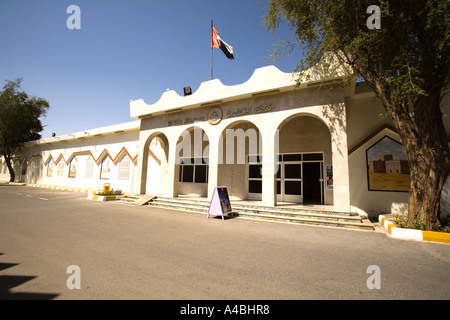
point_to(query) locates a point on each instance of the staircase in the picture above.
(280, 214)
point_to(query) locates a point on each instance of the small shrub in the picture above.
(440, 226)
(111, 192)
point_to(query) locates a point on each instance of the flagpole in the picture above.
(211, 50)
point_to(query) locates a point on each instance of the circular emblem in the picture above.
(214, 116)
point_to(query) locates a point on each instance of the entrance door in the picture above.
(299, 178)
(312, 183)
(289, 178)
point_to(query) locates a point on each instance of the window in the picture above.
(73, 168)
(124, 169)
(194, 170)
(89, 169)
(312, 156)
(106, 168)
(254, 174)
(50, 168)
(60, 171)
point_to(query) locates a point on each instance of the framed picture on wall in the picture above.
(387, 166)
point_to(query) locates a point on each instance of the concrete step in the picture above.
(278, 214)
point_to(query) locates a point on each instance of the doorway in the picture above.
(312, 183)
(300, 178)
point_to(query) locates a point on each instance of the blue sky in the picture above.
(127, 49)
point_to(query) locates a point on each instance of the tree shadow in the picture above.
(11, 281)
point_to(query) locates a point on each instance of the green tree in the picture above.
(406, 62)
(19, 120)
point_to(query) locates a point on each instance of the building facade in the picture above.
(268, 140)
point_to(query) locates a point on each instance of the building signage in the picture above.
(179, 122)
(215, 116)
(220, 202)
(249, 110)
(238, 112)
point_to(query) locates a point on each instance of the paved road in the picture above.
(128, 252)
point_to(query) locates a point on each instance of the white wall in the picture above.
(108, 147)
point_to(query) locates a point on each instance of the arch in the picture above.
(302, 114)
(154, 173)
(192, 162)
(192, 142)
(238, 141)
(304, 154)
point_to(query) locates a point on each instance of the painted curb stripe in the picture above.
(436, 236)
(56, 188)
(410, 234)
(103, 198)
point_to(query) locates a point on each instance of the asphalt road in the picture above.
(129, 252)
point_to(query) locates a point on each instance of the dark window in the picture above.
(201, 174)
(254, 159)
(255, 171)
(293, 187)
(292, 157)
(255, 186)
(292, 171)
(312, 156)
(194, 170)
(188, 173)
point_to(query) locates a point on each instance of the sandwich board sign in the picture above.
(220, 202)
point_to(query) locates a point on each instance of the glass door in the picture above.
(289, 178)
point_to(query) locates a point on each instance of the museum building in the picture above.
(268, 140)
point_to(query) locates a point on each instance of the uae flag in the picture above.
(218, 43)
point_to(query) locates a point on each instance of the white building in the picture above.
(267, 140)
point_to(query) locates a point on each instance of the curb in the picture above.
(54, 187)
(411, 234)
(103, 198)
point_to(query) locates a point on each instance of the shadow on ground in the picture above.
(11, 281)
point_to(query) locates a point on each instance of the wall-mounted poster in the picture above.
(387, 166)
(329, 181)
(73, 168)
(106, 168)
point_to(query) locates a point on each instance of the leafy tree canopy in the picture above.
(19, 119)
(406, 61)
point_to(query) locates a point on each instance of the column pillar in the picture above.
(339, 148)
(269, 167)
(213, 168)
(173, 173)
(140, 182)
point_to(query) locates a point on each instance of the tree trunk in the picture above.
(425, 143)
(12, 175)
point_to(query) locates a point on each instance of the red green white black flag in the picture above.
(218, 43)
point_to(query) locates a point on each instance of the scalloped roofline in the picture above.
(263, 79)
(267, 79)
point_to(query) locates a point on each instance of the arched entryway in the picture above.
(240, 160)
(192, 162)
(304, 161)
(155, 164)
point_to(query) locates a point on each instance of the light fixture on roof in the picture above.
(187, 91)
